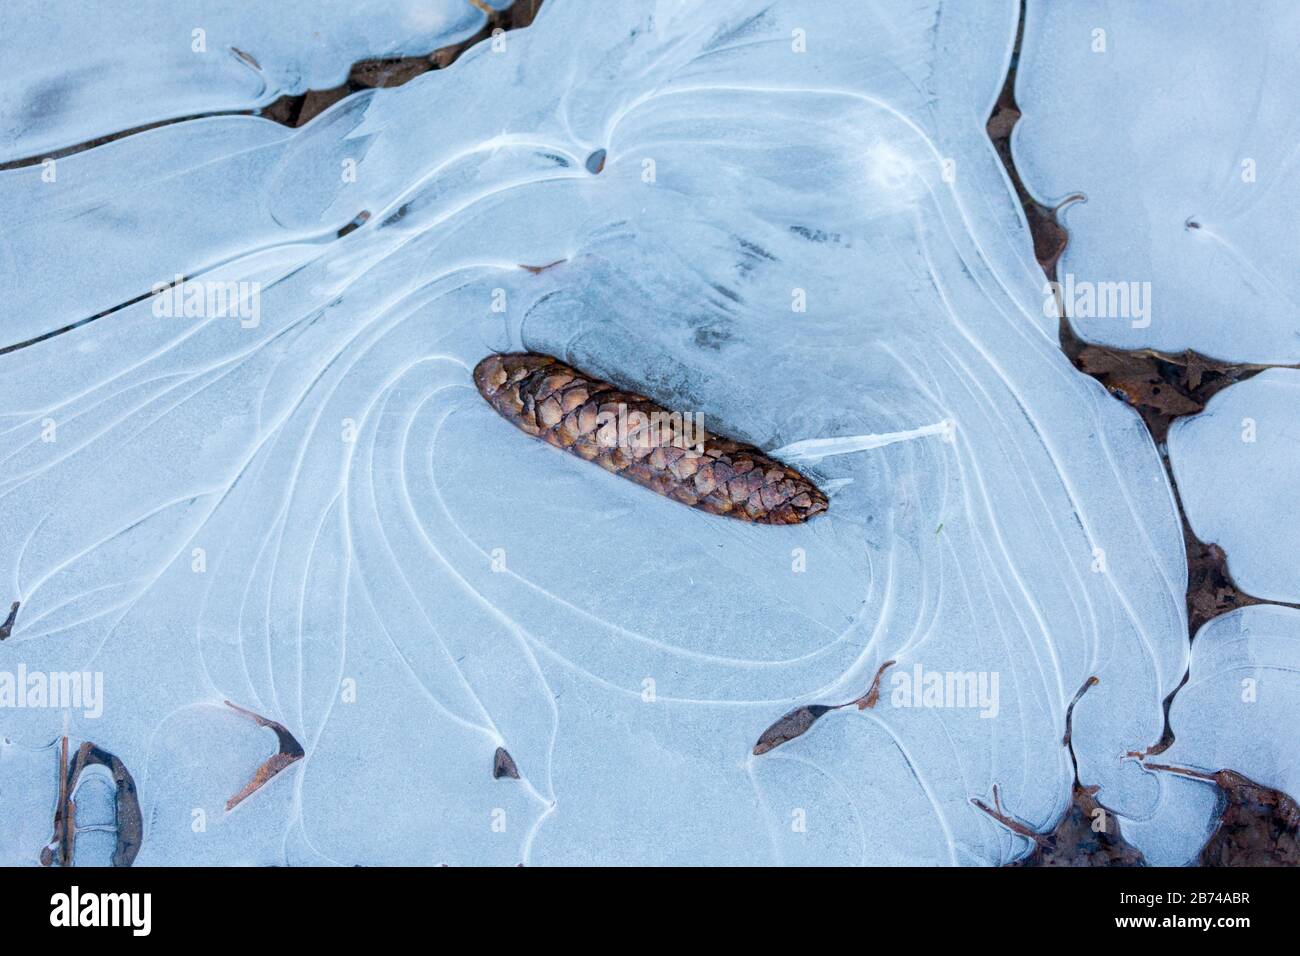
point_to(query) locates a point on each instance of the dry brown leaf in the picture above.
(289, 753)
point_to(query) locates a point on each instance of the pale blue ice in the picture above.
(800, 229)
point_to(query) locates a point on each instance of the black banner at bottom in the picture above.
(300, 905)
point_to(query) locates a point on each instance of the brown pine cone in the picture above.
(628, 434)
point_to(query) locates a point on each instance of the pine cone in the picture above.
(628, 434)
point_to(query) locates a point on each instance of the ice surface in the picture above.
(1178, 122)
(1238, 711)
(74, 74)
(29, 787)
(1238, 472)
(316, 517)
(1177, 828)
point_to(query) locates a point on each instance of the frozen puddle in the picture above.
(73, 77)
(792, 222)
(1237, 711)
(1178, 123)
(1238, 472)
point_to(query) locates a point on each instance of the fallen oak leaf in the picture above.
(290, 752)
(1137, 378)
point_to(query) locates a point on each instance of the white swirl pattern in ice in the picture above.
(800, 230)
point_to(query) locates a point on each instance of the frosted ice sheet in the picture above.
(1177, 828)
(1238, 472)
(407, 582)
(29, 787)
(73, 74)
(1238, 711)
(1178, 122)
